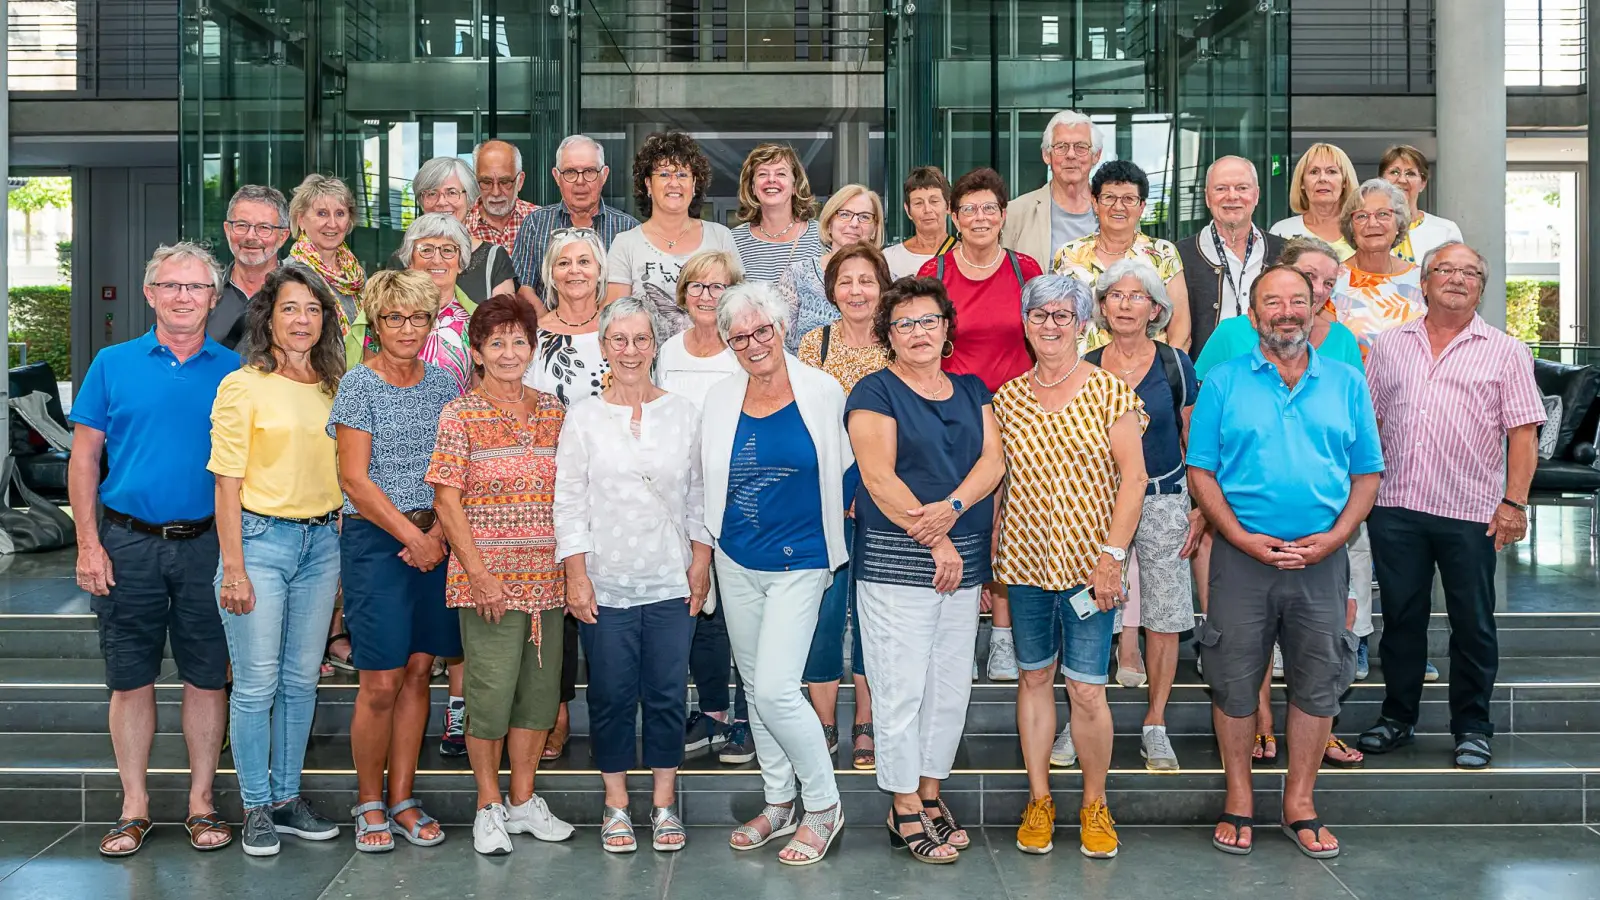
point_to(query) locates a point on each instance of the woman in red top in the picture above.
(984, 281)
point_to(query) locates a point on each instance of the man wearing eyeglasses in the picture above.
(256, 226)
(580, 173)
(1459, 414)
(499, 212)
(1039, 222)
(1221, 261)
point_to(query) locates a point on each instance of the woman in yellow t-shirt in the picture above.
(278, 503)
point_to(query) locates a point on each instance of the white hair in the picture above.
(1070, 118)
(267, 196)
(1255, 177)
(759, 297)
(436, 170)
(628, 307)
(181, 251)
(1047, 289)
(1149, 279)
(575, 139)
(515, 150)
(437, 225)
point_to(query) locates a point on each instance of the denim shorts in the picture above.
(1043, 623)
(392, 609)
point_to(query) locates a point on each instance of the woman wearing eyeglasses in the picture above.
(775, 456)
(1376, 289)
(445, 184)
(567, 360)
(930, 457)
(1406, 168)
(671, 176)
(853, 215)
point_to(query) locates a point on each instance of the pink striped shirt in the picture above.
(1443, 421)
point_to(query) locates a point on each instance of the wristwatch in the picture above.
(956, 504)
(1519, 507)
(1116, 553)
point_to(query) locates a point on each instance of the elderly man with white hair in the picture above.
(499, 213)
(580, 174)
(1040, 221)
(1224, 258)
(256, 226)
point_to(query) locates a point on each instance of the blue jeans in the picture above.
(1044, 624)
(638, 657)
(825, 662)
(277, 651)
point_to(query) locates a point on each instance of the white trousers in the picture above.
(1360, 548)
(918, 646)
(771, 617)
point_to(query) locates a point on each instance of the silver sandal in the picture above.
(825, 825)
(615, 823)
(363, 827)
(414, 833)
(665, 822)
(782, 819)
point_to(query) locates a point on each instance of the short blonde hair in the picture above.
(1298, 201)
(842, 196)
(313, 187)
(803, 204)
(699, 264)
(403, 291)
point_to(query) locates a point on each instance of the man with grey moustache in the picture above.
(256, 226)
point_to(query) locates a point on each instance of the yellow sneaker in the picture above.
(1099, 832)
(1038, 826)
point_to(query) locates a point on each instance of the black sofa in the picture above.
(1569, 477)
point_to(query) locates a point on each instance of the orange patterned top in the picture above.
(506, 474)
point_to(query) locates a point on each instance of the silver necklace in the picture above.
(521, 395)
(681, 232)
(779, 237)
(1050, 384)
(987, 265)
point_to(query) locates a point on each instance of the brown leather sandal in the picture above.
(200, 825)
(136, 828)
(555, 743)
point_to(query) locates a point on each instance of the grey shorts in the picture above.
(1253, 605)
(1166, 600)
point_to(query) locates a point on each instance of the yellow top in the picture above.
(272, 432)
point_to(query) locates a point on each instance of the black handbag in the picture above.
(37, 526)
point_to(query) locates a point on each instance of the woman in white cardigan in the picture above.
(775, 456)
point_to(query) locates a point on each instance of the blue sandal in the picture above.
(363, 827)
(414, 833)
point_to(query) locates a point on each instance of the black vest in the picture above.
(1204, 280)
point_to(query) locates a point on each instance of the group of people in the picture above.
(699, 453)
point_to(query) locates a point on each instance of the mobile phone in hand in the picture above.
(1082, 602)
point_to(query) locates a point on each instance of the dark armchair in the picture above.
(1569, 477)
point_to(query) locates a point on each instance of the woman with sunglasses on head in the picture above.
(445, 184)
(567, 361)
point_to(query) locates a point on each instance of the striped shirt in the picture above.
(766, 261)
(527, 257)
(1443, 421)
(481, 228)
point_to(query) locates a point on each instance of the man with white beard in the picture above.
(498, 214)
(256, 226)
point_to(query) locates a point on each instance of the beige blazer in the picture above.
(1028, 225)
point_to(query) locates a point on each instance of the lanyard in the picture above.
(1227, 272)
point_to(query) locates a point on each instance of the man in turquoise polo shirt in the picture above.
(1284, 461)
(150, 561)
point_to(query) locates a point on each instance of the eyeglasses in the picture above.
(1403, 174)
(1449, 272)
(574, 231)
(1072, 148)
(972, 209)
(395, 320)
(1114, 200)
(929, 322)
(1061, 317)
(620, 342)
(1383, 216)
(573, 176)
(260, 230)
(674, 175)
(504, 184)
(1129, 297)
(173, 288)
(865, 218)
(701, 288)
(451, 194)
(446, 253)
(762, 335)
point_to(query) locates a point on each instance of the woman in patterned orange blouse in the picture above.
(1074, 486)
(493, 472)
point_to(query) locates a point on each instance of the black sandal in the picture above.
(863, 757)
(1293, 830)
(944, 824)
(343, 665)
(1239, 823)
(922, 843)
(1472, 751)
(830, 736)
(1385, 736)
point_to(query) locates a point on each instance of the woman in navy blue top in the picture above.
(930, 457)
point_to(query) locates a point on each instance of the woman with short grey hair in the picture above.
(435, 245)
(1131, 307)
(1377, 290)
(629, 522)
(446, 184)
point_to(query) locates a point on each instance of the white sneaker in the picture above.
(535, 818)
(1157, 749)
(1063, 754)
(1277, 662)
(489, 831)
(1199, 666)
(1002, 657)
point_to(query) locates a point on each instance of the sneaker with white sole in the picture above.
(535, 818)
(489, 835)
(1002, 657)
(1277, 662)
(1157, 750)
(1063, 754)
(1430, 673)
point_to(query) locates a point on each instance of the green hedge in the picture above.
(1533, 310)
(41, 317)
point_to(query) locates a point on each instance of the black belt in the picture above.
(171, 531)
(326, 518)
(424, 519)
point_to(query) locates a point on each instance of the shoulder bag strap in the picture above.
(1016, 268)
(938, 266)
(827, 335)
(1175, 381)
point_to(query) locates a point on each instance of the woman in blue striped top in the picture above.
(777, 214)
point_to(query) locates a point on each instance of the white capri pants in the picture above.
(771, 617)
(1360, 548)
(918, 646)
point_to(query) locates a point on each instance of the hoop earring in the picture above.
(948, 350)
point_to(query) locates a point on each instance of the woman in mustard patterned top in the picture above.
(1074, 487)
(493, 472)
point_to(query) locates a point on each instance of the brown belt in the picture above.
(424, 519)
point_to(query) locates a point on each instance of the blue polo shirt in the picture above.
(156, 415)
(1284, 457)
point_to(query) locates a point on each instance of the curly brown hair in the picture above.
(863, 250)
(803, 203)
(904, 291)
(675, 148)
(979, 180)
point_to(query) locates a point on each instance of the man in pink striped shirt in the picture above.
(1459, 413)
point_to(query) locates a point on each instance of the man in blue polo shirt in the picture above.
(1284, 461)
(150, 561)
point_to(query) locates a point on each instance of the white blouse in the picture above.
(632, 504)
(681, 372)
